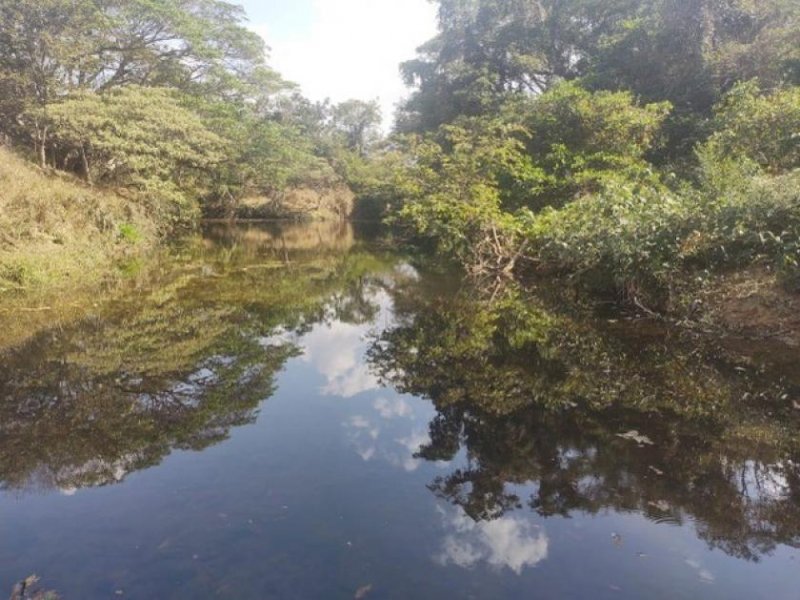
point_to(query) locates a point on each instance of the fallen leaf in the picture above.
(636, 437)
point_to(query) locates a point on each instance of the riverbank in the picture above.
(56, 232)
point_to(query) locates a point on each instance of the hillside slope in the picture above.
(55, 231)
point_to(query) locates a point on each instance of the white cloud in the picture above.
(359, 422)
(704, 574)
(336, 351)
(393, 409)
(353, 49)
(412, 444)
(508, 542)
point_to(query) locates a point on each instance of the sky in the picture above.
(342, 49)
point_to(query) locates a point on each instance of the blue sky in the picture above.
(343, 48)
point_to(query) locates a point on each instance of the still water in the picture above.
(301, 412)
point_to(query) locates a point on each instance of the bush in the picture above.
(578, 140)
(142, 139)
(453, 190)
(642, 239)
(760, 219)
(626, 237)
(751, 127)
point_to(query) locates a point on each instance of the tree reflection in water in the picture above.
(177, 361)
(593, 418)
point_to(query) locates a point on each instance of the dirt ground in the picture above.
(754, 304)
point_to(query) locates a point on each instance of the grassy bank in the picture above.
(57, 233)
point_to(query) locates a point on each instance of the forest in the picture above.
(631, 149)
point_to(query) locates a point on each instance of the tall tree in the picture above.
(50, 48)
(688, 52)
(489, 49)
(358, 123)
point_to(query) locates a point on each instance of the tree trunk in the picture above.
(42, 149)
(87, 173)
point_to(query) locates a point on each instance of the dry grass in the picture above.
(328, 203)
(55, 232)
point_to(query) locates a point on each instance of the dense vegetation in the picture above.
(625, 144)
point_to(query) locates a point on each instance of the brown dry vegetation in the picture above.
(330, 203)
(754, 304)
(56, 232)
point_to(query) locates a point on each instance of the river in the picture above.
(307, 411)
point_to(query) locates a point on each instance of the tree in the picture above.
(358, 123)
(51, 48)
(488, 50)
(140, 138)
(687, 52)
(763, 128)
(580, 140)
(41, 45)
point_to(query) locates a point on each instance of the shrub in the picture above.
(626, 237)
(142, 139)
(579, 140)
(453, 190)
(752, 127)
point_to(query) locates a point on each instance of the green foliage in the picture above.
(627, 237)
(580, 140)
(357, 123)
(750, 217)
(687, 52)
(264, 156)
(139, 138)
(478, 188)
(471, 184)
(640, 240)
(56, 46)
(170, 100)
(376, 180)
(648, 84)
(762, 129)
(489, 50)
(453, 189)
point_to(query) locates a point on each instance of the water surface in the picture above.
(300, 412)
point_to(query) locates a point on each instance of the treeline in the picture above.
(169, 102)
(621, 143)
